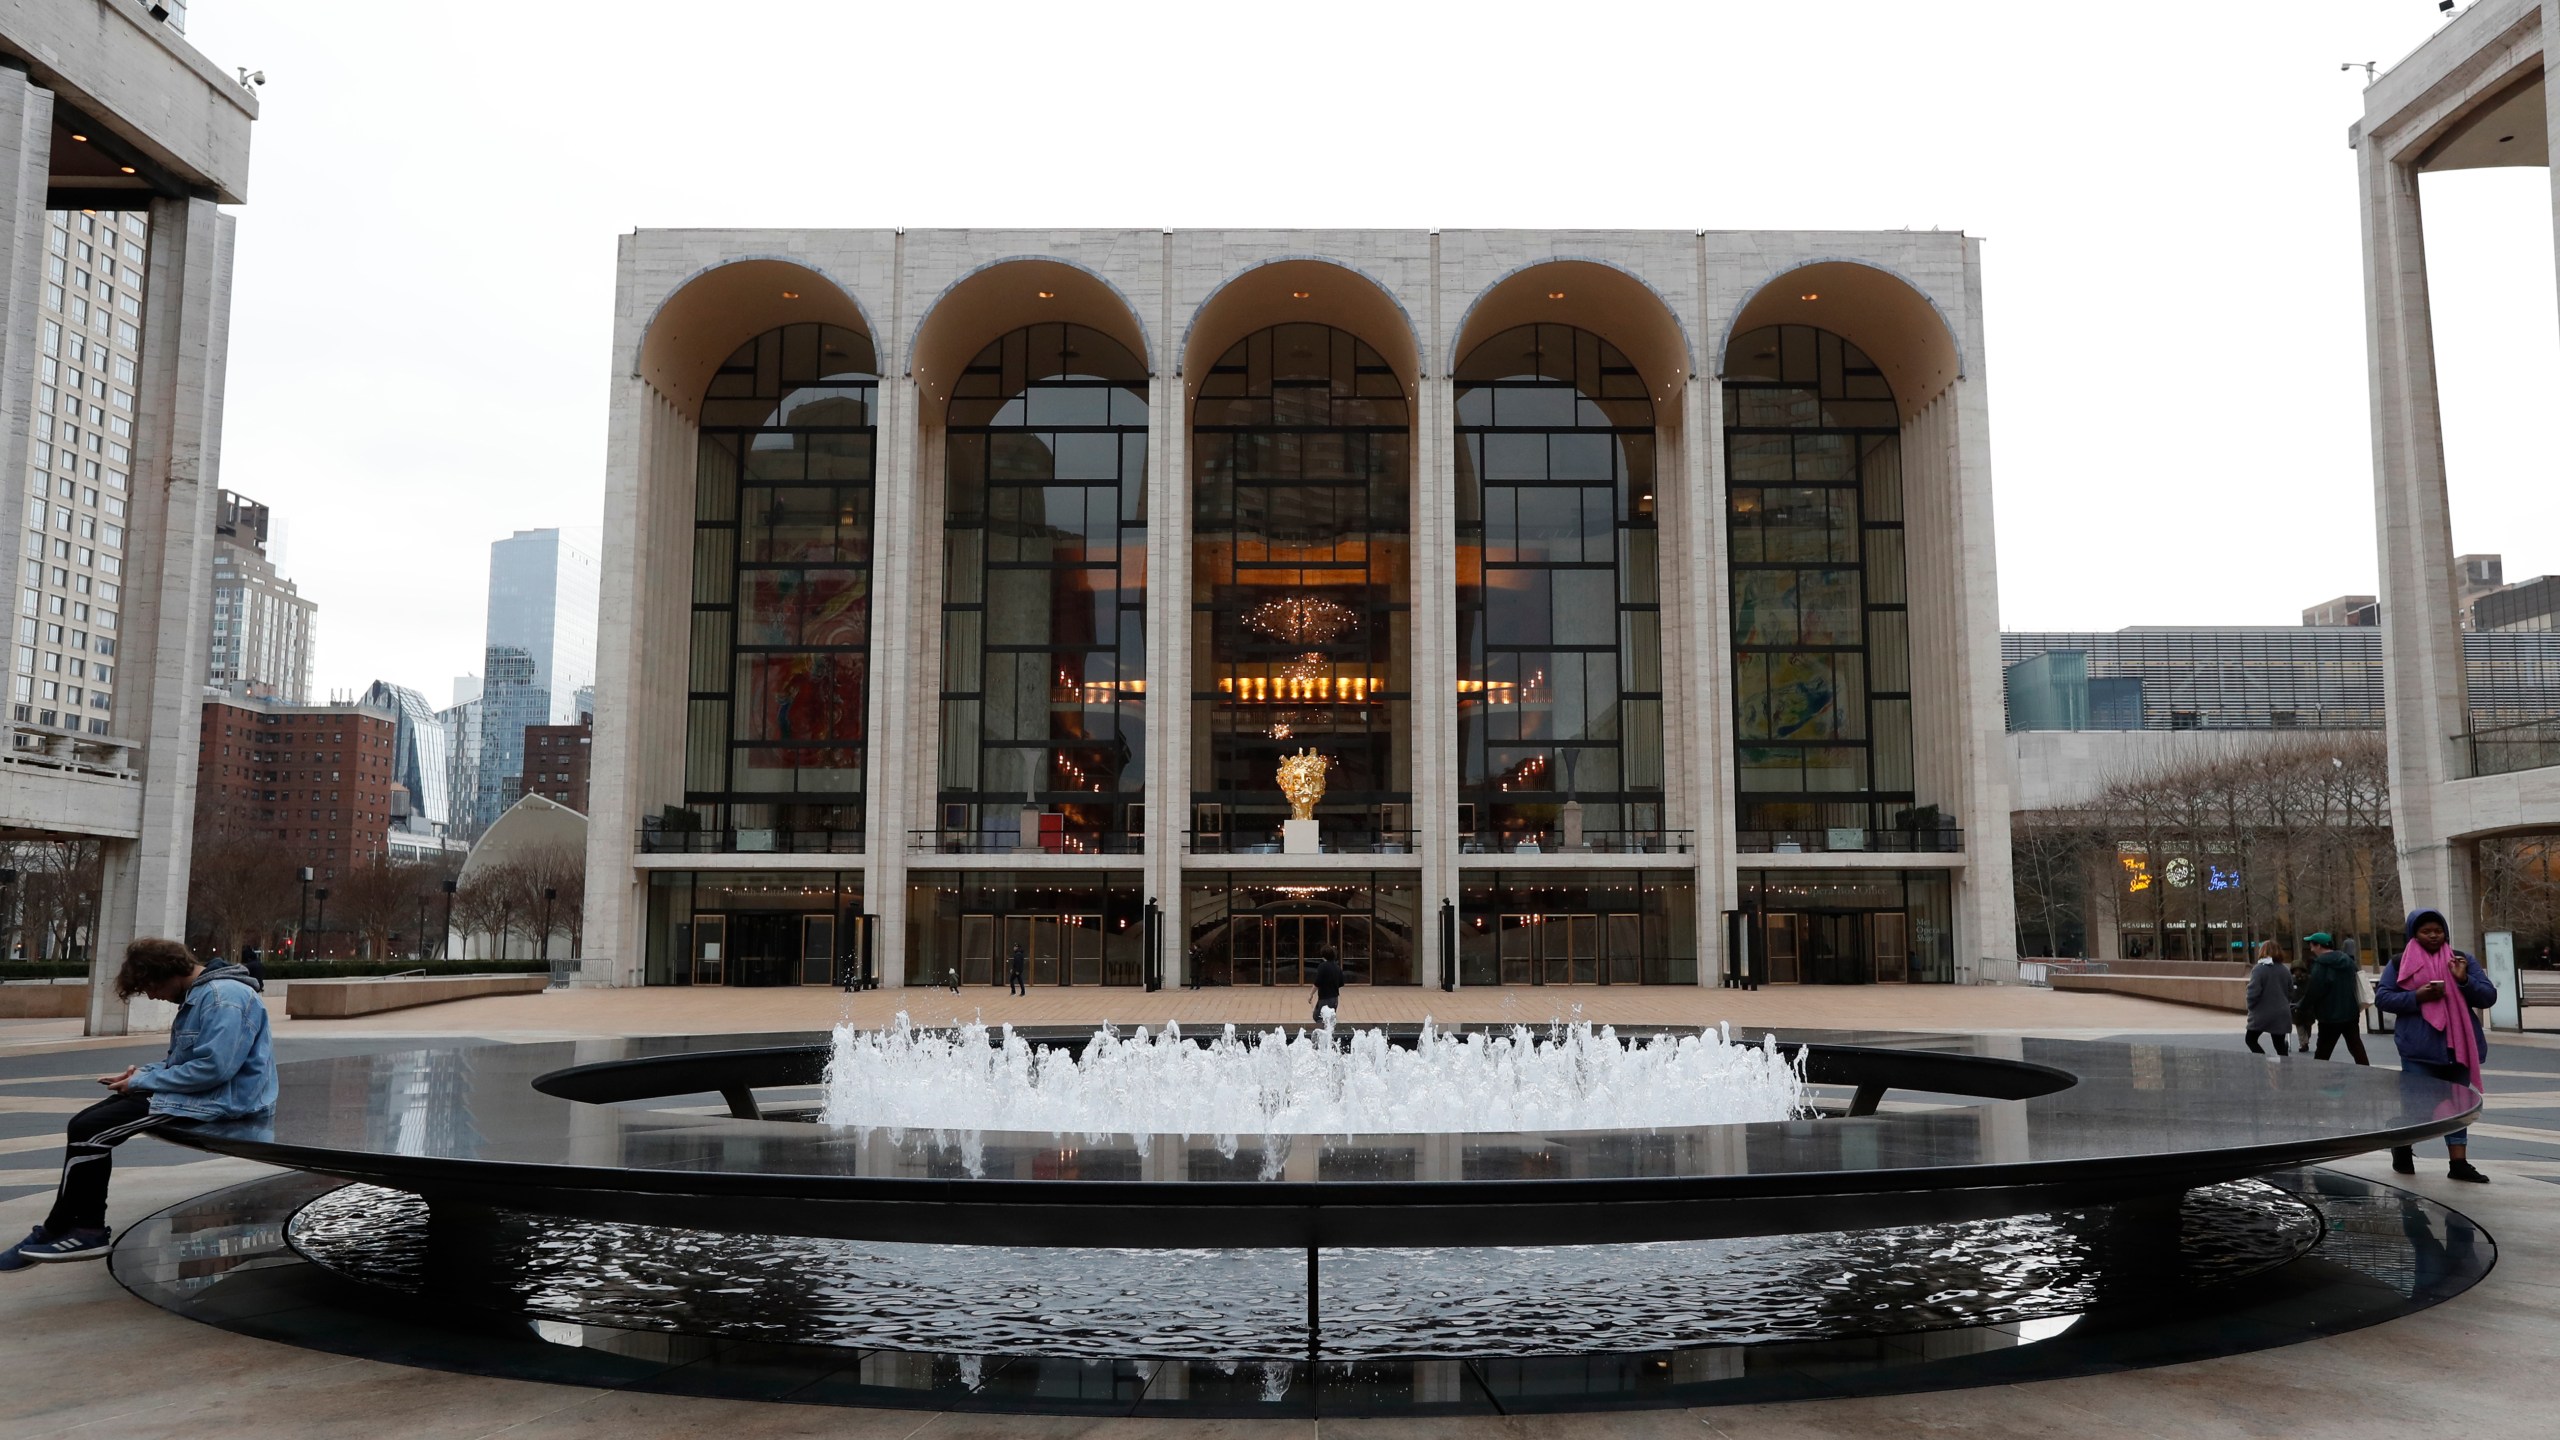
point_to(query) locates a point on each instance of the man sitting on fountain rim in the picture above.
(220, 1066)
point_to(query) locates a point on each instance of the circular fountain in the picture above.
(1665, 1213)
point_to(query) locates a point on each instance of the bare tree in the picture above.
(2270, 840)
(2052, 853)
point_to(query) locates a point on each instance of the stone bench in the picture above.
(42, 1000)
(343, 999)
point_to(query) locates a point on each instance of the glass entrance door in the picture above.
(1888, 940)
(710, 949)
(1835, 949)
(979, 963)
(1297, 946)
(1568, 949)
(1786, 949)
(817, 949)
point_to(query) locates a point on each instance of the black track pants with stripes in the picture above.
(81, 1203)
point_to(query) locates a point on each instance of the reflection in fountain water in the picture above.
(1568, 1077)
(1251, 1304)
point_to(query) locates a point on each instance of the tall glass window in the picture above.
(1301, 476)
(1044, 596)
(1559, 593)
(775, 743)
(1821, 638)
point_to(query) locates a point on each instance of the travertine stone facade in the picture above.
(2471, 97)
(106, 111)
(1672, 302)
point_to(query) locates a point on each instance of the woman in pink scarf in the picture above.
(2435, 992)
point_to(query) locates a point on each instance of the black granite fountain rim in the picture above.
(222, 1260)
(467, 1127)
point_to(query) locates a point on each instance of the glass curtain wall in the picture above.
(780, 672)
(1821, 638)
(1577, 927)
(1275, 928)
(1559, 593)
(1300, 588)
(1044, 598)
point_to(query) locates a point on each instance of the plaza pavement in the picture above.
(90, 1360)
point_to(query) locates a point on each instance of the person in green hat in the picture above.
(2330, 1000)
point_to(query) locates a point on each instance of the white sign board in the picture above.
(2498, 952)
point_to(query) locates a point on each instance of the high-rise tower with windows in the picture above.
(540, 652)
(80, 470)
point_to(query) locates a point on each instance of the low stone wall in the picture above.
(342, 999)
(2214, 992)
(41, 1001)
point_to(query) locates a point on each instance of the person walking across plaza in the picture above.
(220, 1066)
(1327, 989)
(2330, 999)
(1013, 972)
(2435, 994)
(2270, 1000)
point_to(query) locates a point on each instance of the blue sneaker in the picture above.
(10, 1259)
(71, 1245)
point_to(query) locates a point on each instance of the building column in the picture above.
(1167, 699)
(169, 580)
(902, 761)
(2426, 700)
(1698, 651)
(1986, 905)
(26, 161)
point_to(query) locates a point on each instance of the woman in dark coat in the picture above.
(2435, 994)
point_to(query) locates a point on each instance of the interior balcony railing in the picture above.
(1593, 842)
(1009, 842)
(2505, 749)
(750, 841)
(1328, 842)
(1851, 840)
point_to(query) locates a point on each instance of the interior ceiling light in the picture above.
(1301, 619)
(1046, 294)
(790, 294)
(1300, 294)
(126, 169)
(1810, 295)
(83, 139)
(1555, 294)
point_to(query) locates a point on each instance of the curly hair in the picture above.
(152, 962)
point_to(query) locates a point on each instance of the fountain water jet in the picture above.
(1304, 1082)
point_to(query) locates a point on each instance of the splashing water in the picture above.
(1570, 1077)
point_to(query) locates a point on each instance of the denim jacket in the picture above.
(221, 1061)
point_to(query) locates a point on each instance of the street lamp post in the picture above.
(446, 938)
(320, 919)
(422, 928)
(302, 918)
(549, 894)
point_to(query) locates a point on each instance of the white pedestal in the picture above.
(1298, 837)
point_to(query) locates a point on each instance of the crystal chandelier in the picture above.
(1301, 619)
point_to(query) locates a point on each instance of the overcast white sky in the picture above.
(2176, 354)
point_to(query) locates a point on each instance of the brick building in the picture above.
(317, 779)
(555, 763)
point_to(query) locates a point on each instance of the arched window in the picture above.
(774, 740)
(1821, 636)
(1559, 593)
(1044, 589)
(1301, 477)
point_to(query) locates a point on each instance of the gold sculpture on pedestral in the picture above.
(1302, 780)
